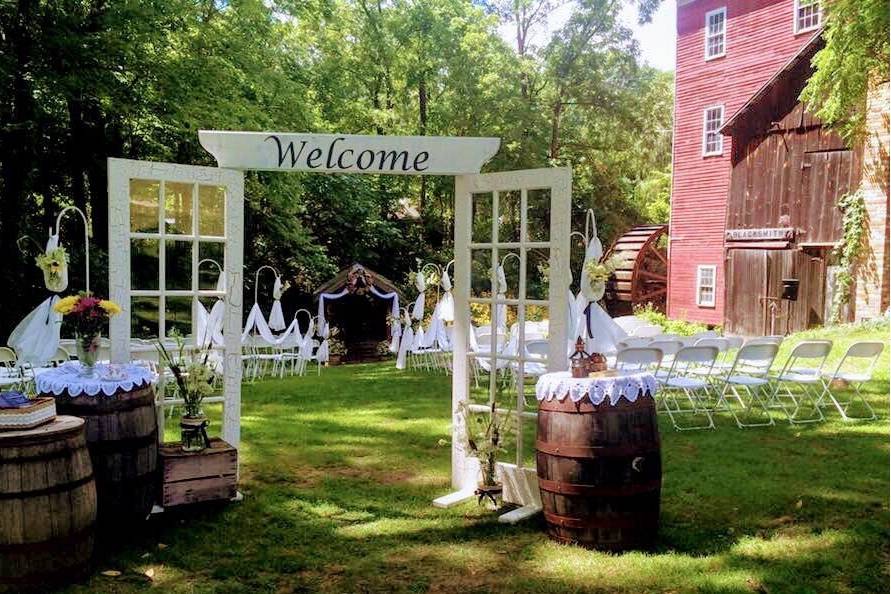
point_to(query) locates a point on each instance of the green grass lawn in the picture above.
(338, 473)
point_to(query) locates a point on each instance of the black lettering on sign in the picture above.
(370, 155)
(342, 159)
(421, 159)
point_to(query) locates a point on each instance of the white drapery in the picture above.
(36, 338)
(276, 316)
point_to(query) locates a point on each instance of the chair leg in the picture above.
(749, 403)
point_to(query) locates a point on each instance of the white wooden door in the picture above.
(166, 222)
(520, 219)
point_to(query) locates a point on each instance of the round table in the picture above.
(598, 459)
(118, 404)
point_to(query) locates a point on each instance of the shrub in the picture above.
(657, 318)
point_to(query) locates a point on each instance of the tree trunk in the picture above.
(556, 112)
(422, 130)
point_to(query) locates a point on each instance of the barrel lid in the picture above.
(59, 426)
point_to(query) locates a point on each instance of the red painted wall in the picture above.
(759, 40)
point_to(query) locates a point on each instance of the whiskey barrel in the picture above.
(47, 505)
(600, 472)
(122, 436)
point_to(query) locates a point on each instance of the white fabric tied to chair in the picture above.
(257, 322)
(417, 310)
(306, 345)
(276, 317)
(447, 301)
(210, 324)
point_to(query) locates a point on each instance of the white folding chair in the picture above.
(10, 372)
(747, 381)
(638, 359)
(668, 347)
(855, 368)
(688, 378)
(805, 378)
(629, 323)
(632, 343)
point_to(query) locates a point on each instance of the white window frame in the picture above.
(795, 18)
(706, 34)
(720, 149)
(699, 285)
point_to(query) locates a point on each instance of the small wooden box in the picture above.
(190, 477)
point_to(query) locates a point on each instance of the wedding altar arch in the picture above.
(364, 308)
(176, 215)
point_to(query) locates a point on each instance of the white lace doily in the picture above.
(106, 378)
(597, 389)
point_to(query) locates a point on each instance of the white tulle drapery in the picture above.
(210, 324)
(407, 342)
(276, 316)
(257, 322)
(499, 319)
(328, 297)
(323, 354)
(417, 311)
(306, 345)
(446, 302)
(36, 338)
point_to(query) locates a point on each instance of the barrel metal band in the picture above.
(609, 522)
(59, 488)
(599, 490)
(120, 445)
(573, 451)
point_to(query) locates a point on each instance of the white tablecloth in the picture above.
(107, 378)
(628, 386)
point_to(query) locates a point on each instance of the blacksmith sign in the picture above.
(347, 153)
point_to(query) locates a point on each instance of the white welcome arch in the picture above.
(177, 214)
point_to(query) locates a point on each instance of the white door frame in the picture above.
(120, 172)
(520, 483)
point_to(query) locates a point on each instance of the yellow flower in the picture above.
(66, 304)
(110, 307)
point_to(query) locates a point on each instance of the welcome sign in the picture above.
(348, 153)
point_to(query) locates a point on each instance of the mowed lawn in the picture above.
(338, 473)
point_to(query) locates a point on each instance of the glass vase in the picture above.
(87, 350)
(193, 433)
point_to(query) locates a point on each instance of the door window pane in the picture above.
(212, 211)
(509, 216)
(538, 215)
(144, 205)
(144, 264)
(178, 208)
(144, 317)
(178, 265)
(482, 218)
(178, 315)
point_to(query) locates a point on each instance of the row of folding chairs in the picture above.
(698, 383)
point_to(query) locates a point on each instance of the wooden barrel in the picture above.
(600, 472)
(122, 436)
(47, 505)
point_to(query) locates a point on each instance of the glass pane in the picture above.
(538, 215)
(178, 208)
(144, 205)
(481, 273)
(144, 264)
(509, 260)
(144, 317)
(209, 272)
(482, 218)
(178, 263)
(212, 210)
(178, 315)
(509, 216)
(537, 264)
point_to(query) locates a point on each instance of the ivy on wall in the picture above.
(851, 251)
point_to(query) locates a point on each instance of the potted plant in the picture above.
(89, 315)
(485, 435)
(194, 381)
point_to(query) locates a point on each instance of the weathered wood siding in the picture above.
(759, 41)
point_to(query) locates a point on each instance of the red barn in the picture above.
(726, 51)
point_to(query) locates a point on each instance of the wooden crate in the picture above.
(189, 477)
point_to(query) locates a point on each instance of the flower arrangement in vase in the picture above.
(89, 315)
(485, 439)
(194, 382)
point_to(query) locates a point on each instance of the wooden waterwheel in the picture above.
(643, 278)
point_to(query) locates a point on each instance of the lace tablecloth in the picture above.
(107, 378)
(628, 386)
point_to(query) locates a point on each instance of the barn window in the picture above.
(715, 29)
(712, 141)
(807, 15)
(705, 286)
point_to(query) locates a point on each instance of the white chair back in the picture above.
(734, 342)
(632, 343)
(722, 344)
(755, 359)
(629, 323)
(668, 346)
(808, 350)
(705, 334)
(860, 358)
(638, 359)
(646, 331)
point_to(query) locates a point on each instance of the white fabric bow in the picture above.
(276, 316)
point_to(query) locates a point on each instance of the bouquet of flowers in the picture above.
(54, 264)
(485, 439)
(194, 382)
(89, 315)
(599, 272)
